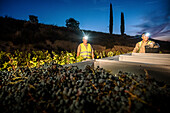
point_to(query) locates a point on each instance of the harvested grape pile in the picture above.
(54, 88)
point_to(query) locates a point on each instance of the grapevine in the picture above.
(9, 61)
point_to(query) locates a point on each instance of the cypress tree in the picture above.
(122, 26)
(111, 20)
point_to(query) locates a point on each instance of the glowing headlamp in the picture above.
(147, 34)
(85, 37)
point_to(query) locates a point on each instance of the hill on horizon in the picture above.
(26, 36)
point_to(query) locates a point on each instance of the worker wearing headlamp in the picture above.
(140, 46)
(85, 49)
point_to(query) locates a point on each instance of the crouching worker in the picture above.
(146, 46)
(85, 49)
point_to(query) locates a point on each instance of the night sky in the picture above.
(140, 15)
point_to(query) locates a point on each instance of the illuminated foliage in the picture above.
(9, 61)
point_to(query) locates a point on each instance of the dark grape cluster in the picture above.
(59, 89)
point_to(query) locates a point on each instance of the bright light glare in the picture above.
(86, 37)
(147, 34)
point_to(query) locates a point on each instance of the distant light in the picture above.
(147, 34)
(85, 37)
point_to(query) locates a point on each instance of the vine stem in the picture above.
(139, 99)
(11, 62)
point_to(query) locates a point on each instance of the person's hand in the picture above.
(147, 46)
(156, 45)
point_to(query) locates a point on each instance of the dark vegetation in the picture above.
(72, 23)
(27, 35)
(111, 20)
(122, 26)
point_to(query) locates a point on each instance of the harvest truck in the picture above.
(155, 64)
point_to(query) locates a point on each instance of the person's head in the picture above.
(145, 36)
(85, 38)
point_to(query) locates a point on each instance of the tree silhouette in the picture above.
(122, 26)
(111, 20)
(72, 23)
(33, 19)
